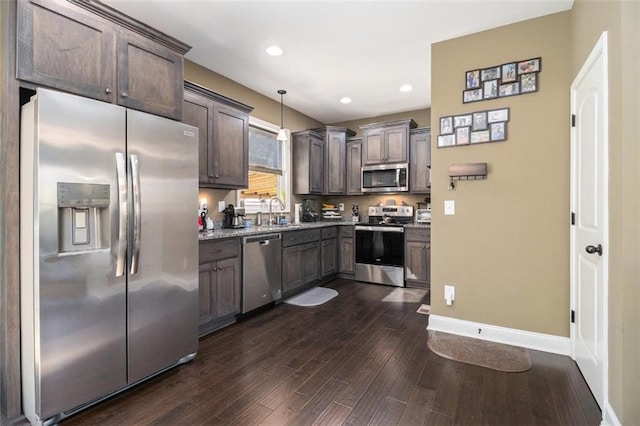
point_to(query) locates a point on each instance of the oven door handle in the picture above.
(380, 228)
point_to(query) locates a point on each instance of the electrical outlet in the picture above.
(449, 294)
(449, 207)
(221, 205)
(341, 207)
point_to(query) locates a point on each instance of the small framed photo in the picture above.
(481, 136)
(530, 65)
(490, 73)
(472, 95)
(473, 79)
(490, 89)
(462, 135)
(479, 121)
(509, 72)
(446, 140)
(462, 120)
(498, 131)
(446, 125)
(498, 115)
(528, 82)
(509, 89)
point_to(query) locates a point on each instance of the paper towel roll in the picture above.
(296, 213)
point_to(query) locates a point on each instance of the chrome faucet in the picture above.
(270, 210)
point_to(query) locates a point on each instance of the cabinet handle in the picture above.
(107, 91)
(214, 269)
(220, 269)
(217, 177)
(125, 95)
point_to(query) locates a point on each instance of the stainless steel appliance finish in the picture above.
(390, 214)
(385, 178)
(380, 254)
(109, 273)
(262, 271)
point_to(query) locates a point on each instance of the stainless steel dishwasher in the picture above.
(261, 270)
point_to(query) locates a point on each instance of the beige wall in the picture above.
(506, 248)
(620, 18)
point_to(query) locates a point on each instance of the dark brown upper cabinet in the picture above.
(420, 161)
(354, 166)
(224, 136)
(386, 143)
(327, 176)
(92, 50)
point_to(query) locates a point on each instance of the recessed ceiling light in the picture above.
(346, 100)
(406, 88)
(274, 51)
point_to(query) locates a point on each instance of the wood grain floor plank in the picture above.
(416, 412)
(388, 413)
(335, 414)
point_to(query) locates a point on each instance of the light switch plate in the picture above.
(449, 207)
(221, 205)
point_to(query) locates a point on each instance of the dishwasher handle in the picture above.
(262, 239)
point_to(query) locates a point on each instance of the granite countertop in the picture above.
(217, 234)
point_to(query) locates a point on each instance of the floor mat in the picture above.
(313, 297)
(512, 359)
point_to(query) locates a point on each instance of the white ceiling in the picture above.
(362, 49)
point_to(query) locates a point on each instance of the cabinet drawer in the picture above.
(346, 231)
(292, 238)
(417, 234)
(216, 250)
(328, 233)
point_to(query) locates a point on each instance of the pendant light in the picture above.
(282, 135)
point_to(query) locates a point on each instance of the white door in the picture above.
(589, 198)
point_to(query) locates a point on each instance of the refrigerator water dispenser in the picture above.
(83, 217)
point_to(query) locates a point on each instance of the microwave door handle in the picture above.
(398, 176)
(121, 248)
(137, 214)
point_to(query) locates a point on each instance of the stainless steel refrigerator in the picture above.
(109, 250)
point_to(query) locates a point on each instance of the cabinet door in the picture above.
(291, 268)
(420, 162)
(354, 168)
(206, 294)
(396, 144)
(230, 147)
(329, 257)
(316, 166)
(311, 263)
(149, 76)
(373, 150)
(335, 162)
(64, 47)
(416, 261)
(347, 255)
(227, 296)
(198, 112)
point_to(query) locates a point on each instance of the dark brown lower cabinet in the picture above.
(347, 250)
(219, 284)
(329, 257)
(300, 266)
(417, 257)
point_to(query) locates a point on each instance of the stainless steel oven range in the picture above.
(380, 245)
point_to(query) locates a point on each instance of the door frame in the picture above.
(599, 50)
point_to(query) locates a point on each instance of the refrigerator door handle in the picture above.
(137, 214)
(121, 250)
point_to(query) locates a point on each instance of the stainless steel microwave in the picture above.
(385, 178)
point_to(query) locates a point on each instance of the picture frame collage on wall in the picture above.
(509, 79)
(473, 128)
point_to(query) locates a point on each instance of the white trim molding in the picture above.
(609, 417)
(493, 333)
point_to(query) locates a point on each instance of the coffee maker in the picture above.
(233, 217)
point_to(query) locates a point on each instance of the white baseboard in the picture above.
(609, 417)
(494, 333)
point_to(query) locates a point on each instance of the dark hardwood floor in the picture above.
(355, 360)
